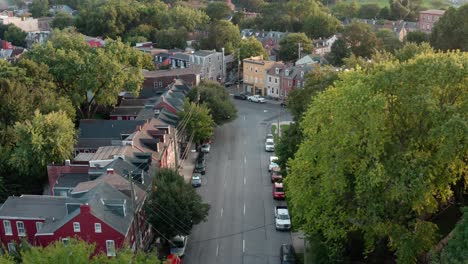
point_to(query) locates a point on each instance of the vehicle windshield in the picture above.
(199, 165)
(178, 244)
(270, 143)
(283, 217)
(279, 189)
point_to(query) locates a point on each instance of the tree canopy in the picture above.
(456, 250)
(222, 34)
(322, 25)
(62, 20)
(361, 39)
(289, 46)
(338, 51)
(382, 152)
(15, 35)
(218, 10)
(388, 40)
(216, 98)
(250, 47)
(91, 77)
(198, 121)
(451, 30)
(174, 206)
(39, 8)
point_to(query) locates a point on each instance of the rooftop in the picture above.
(98, 128)
(34, 206)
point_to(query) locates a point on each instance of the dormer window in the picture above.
(277, 70)
(286, 72)
(302, 74)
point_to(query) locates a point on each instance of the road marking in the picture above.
(222, 210)
(244, 117)
(264, 111)
(245, 142)
(245, 160)
(244, 180)
(243, 245)
(244, 209)
(217, 250)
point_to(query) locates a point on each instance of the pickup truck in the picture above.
(256, 99)
(282, 220)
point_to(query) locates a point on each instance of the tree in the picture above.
(216, 98)
(62, 20)
(322, 25)
(290, 44)
(388, 40)
(384, 13)
(171, 38)
(417, 37)
(344, 11)
(222, 34)
(369, 11)
(42, 140)
(174, 206)
(218, 10)
(39, 8)
(15, 35)
(451, 30)
(198, 121)
(410, 50)
(361, 39)
(456, 251)
(91, 77)
(251, 47)
(189, 18)
(381, 154)
(339, 50)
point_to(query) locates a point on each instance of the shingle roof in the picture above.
(165, 73)
(92, 143)
(70, 180)
(203, 53)
(98, 128)
(109, 152)
(34, 206)
(126, 110)
(133, 102)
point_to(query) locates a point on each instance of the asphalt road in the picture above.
(240, 226)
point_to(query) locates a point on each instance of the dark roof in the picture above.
(203, 53)
(133, 102)
(126, 111)
(70, 180)
(34, 206)
(92, 143)
(119, 165)
(96, 128)
(167, 73)
(169, 118)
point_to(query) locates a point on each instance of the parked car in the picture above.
(196, 180)
(276, 175)
(273, 164)
(178, 245)
(205, 148)
(269, 145)
(268, 136)
(240, 96)
(283, 104)
(200, 166)
(287, 254)
(278, 191)
(173, 259)
(256, 99)
(282, 219)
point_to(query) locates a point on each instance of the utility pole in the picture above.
(176, 158)
(136, 224)
(238, 69)
(299, 50)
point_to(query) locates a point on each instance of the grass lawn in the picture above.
(431, 4)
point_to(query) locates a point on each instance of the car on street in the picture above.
(278, 191)
(282, 219)
(200, 166)
(196, 180)
(178, 245)
(287, 254)
(276, 175)
(205, 148)
(273, 163)
(268, 136)
(240, 96)
(256, 99)
(269, 145)
(173, 259)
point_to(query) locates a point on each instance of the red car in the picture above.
(278, 191)
(173, 259)
(276, 175)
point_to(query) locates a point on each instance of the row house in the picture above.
(282, 78)
(156, 82)
(254, 72)
(428, 18)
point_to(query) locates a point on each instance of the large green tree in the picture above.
(417, 37)
(189, 18)
(388, 40)
(174, 206)
(456, 250)
(62, 20)
(222, 34)
(39, 8)
(251, 47)
(338, 51)
(369, 11)
(41, 141)
(171, 38)
(290, 45)
(196, 120)
(322, 25)
(217, 99)
(15, 35)
(91, 77)
(218, 10)
(383, 151)
(451, 30)
(361, 39)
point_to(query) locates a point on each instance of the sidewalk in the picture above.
(187, 165)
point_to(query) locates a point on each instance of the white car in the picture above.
(273, 164)
(269, 145)
(256, 99)
(205, 148)
(282, 219)
(178, 245)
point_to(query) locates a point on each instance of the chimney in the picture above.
(85, 208)
(110, 171)
(67, 162)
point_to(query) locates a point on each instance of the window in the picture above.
(20, 228)
(160, 85)
(38, 226)
(65, 241)
(276, 80)
(97, 228)
(76, 227)
(110, 246)
(269, 79)
(11, 247)
(256, 70)
(7, 227)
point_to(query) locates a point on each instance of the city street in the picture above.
(240, 226)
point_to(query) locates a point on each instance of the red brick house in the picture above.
(428, 18)
(102, 215)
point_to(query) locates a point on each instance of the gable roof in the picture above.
(113, 129)
(70, 180)
(33, 206)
